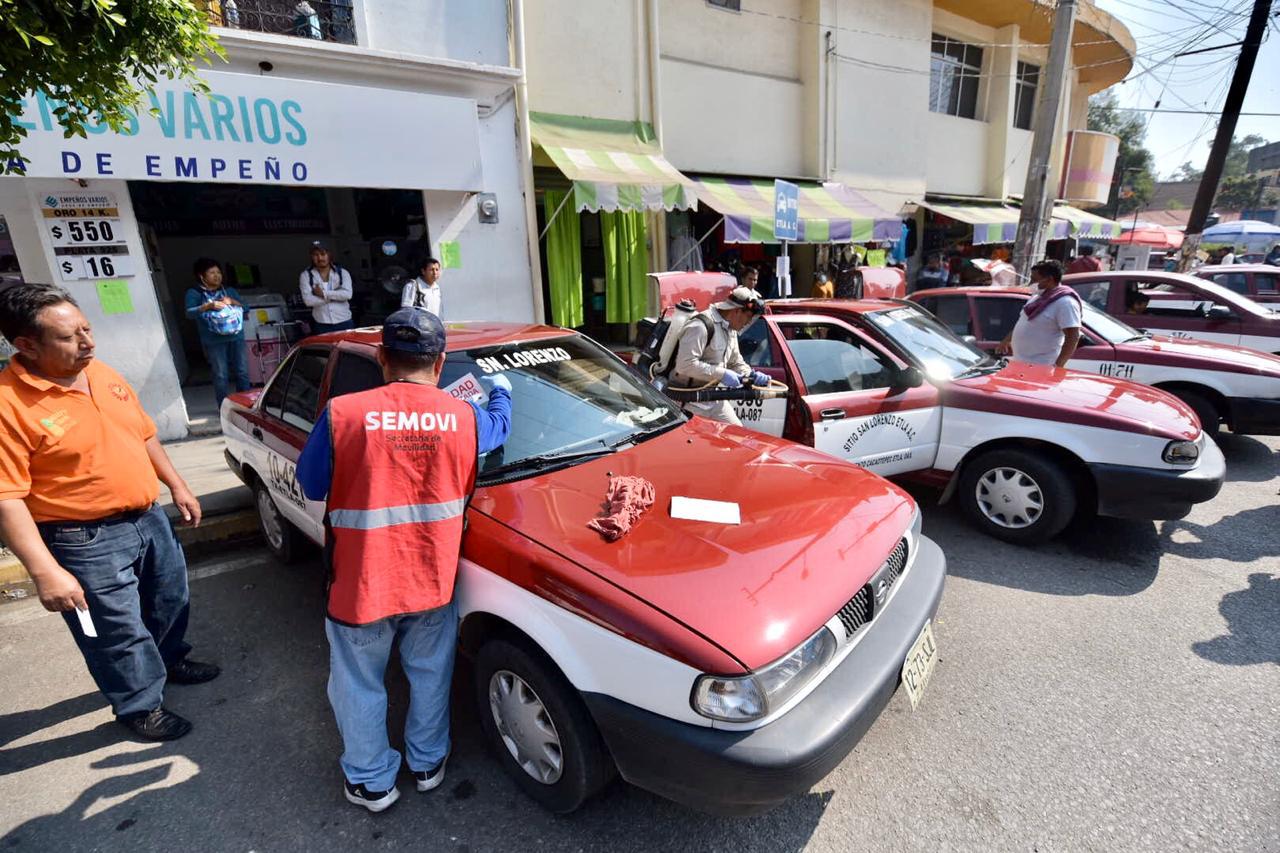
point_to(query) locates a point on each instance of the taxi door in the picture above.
(859, 398)
(996, 314)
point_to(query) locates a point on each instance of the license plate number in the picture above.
(919, 664)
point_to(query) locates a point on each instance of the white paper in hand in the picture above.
(86, 623)
(697, 509)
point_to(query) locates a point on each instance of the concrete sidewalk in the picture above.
(227, 503)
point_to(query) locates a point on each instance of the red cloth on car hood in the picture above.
(629, 498)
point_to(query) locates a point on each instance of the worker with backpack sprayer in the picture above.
(700, 352)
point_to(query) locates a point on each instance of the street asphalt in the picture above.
(1116, 690)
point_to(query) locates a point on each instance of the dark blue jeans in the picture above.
(318, 328)
(228, 360)
(134, 576)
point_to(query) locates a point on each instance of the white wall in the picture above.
(134, 344)
(584, 58)
(957, 152)
(467, 30)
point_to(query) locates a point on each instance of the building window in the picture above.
(1024, 99)
(731, 5)
(954, 71)
(323, 20)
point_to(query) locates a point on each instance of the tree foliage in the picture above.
(1244, 192)
(1186, 172)
(93, 59)
(1134, 170)
(1237, 162)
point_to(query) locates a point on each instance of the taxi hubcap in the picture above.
(525, 727)
(1010, 498)
(270, 517)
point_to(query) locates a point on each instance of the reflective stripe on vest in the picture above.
(404, 466)
(370, 519)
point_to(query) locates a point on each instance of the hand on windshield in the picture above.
(1005, 347)
(497, 381)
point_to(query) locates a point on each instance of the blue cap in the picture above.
(413, 330)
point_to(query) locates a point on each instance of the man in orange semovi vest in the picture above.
(397, 489)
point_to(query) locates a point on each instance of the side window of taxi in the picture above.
(1267, 282)
(833, 360)
(1236, 281)
(302, 394)
(1169, 299)
(273, 397)
(756, 345)
(1096, 293)
(996, 317)
(354, 373)
(953, 311)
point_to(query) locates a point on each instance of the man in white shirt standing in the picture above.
(1048, 327)
(424, 291)
(326, 290)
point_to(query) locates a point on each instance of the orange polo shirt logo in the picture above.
(58, 423)
(119, 391)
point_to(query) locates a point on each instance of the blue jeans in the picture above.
(134, 577)
(358, 658)
(227, 359)
(318, 328)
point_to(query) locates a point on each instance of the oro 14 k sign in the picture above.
(88, 241)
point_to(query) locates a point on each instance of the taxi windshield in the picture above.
(1109, 328)
(940, 354)
(570, 399)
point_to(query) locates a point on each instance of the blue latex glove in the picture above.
(759, 379)
(730, 380)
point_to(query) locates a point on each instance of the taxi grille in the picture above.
(860, 609)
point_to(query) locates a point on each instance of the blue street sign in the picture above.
(786, 211)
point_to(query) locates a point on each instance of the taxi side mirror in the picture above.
(909, 377)
(1218, 312)
(969, 339)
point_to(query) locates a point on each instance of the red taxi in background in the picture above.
(1180, 306)
(723, 665)
(1222, 383)
(1023, 447)
(1259, 282)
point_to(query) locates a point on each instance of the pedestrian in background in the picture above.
(396, 499)
(326, 290)
(80, 471)
(1048, 327)
(424, 291)
(933, 273)
(1086, 262)
(219, 317)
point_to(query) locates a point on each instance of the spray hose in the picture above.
(712, 392)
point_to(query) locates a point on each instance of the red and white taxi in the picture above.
(1180, 306)
(722, 665)
(884, 384)
(1259, 282)
(1222, 383)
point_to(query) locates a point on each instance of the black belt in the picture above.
(118, 518)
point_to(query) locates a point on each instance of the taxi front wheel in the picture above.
(282, 538)
(538, 727)
(1018, 495)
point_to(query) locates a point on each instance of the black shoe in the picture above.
(192, 672)
(374, 801)
(160, 724)
(431, 777)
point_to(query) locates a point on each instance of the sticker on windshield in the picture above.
(468, 388)
(881, 318)
(523, 358)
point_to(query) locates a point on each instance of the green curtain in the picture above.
(625, 266)
(564, 260)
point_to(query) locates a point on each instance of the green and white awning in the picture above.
(828, 212)
(1081, 223)
(992, 223)
(614, 165)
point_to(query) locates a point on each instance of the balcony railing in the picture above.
(311, 19)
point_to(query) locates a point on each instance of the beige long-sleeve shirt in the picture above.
(699, 360)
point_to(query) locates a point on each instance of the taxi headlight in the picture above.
(1181, 453)
(745, 698)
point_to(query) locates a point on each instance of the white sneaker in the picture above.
(429, 779)
(374, 801)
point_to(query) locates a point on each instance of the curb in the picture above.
(212, 534)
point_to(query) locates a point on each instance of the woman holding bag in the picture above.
(219, 318)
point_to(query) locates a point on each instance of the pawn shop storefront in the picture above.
(251, 173)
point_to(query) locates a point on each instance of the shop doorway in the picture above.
(261, 235)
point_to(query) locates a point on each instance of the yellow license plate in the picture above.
(919, 664)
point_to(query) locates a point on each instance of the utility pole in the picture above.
(1226, 132)
(1037, 197)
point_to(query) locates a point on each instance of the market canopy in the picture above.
(998, 222)
(828, 212)
(614, 165)
(1152, 235)
(1081, 223)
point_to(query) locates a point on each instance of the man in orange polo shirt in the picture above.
(80, 471)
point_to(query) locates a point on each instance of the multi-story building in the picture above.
(910, 102)
(387, 129)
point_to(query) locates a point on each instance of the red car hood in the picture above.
(1204, 355)
(814, 529)
(1072, 396)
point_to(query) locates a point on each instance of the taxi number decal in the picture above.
(522, 358)
(1120, 371)
(749, 411)
(284, 479)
